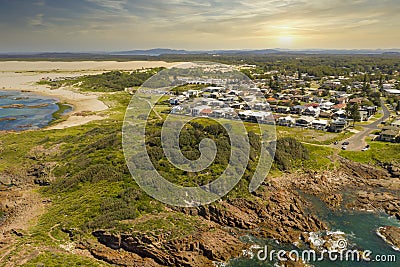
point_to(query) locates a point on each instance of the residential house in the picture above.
(340, 114)
(367, 112)
(214, 89)
(339, 106)
(237, 105)
(320, 124)
(286, 121)
(338, 125)
(371, 110)
(304, 121)
(177, 110)
(342, 100)
(258, 116)
(393, 91)
(174, 101)
(327, 105)
(356, 100)
(396, 124)
(312, 112)
(283, 109)
(261, 106)
(326, 114)
(389, 135)
(298, 109)
(206, 112)
(272, 100)
(215, 95)
(194, 93)
(196, 111)
(314, 105)
(364, 115)
(216, 103)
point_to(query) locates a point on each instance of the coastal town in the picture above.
(329, 103)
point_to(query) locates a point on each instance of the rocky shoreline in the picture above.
(391, 235)
(278, 210)
(283, 219)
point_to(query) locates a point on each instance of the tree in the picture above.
(352, 112)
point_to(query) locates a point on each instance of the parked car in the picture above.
(344, 147)
(346, 143)
(365, 148)
(336, 143)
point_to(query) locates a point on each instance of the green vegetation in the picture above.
(379, 152)
(112, 81)
(321, 158)
(58, 116)
(353, 113)
(190, 138)
(311, 136)
(289, 150)
(48, 258)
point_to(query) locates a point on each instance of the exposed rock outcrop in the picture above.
(391, 235)
(208, 245)
(279, 215)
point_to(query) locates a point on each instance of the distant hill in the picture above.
(152, 52)
(164, 51)
(156, 52)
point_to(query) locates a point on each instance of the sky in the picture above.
(117, 25)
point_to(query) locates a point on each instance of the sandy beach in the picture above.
(21, 75)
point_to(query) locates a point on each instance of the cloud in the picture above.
(40, 3)
(37, 21)
(113, 5)
(190, 24)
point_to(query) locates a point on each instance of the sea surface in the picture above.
(25, 111)
(360, 229)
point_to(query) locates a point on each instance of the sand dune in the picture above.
(79, 65)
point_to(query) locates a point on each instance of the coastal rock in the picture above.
(362, 171)
(120, 257)
(226, 214)
(13, 106)
(8, 119)
(391, 235)
(201, 249)
(278, 215)
(393, 169)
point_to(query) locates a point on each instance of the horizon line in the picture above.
(198, 50)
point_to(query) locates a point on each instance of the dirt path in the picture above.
(26, 206)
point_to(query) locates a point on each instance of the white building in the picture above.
(313, 112)
(395, 123)
(286, 121)
(320, 124)
(304, 121)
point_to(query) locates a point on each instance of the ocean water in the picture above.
(360, 231)
(24, 111)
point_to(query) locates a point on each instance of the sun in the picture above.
(285, 41)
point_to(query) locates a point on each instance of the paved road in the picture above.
(357, 141)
